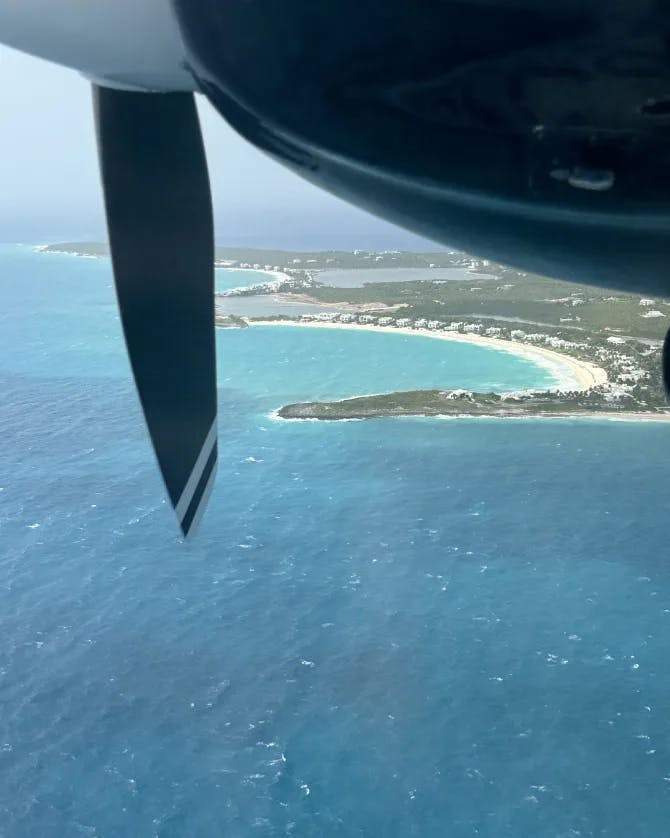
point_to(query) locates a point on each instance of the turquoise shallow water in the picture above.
(227, 278)
(399, 627)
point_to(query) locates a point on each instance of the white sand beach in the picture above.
(278, 276)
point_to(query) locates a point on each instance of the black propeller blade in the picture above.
(159, 219)
(666, 364)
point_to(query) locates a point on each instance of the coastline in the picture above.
(358, 308)
(624, 416)
(279, 276)
(593, 415)
(571, 373)
(44, 248)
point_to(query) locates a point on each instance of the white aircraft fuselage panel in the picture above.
(128, 44)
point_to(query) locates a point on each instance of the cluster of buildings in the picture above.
(402, 322)
(443, 326)
(233, 263)
(625, 372)
(652, 312)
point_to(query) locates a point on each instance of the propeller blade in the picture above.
(665, 364)
(159, 219)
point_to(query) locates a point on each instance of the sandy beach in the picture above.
(274, 275)
(570, 373)
(358, 308)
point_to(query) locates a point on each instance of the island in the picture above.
(463, 404)
(602, 346)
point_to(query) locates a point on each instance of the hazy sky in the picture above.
(49, 182)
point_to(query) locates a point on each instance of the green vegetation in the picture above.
(230, 321)
(525, 299)
(340, 259)
(457, 403)
(307, 260)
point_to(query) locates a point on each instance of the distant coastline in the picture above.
(64, 251)
(101, 251)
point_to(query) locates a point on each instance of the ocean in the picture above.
(400, 627)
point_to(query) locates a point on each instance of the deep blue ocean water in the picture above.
(386, 628)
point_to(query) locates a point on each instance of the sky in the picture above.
(50, 189)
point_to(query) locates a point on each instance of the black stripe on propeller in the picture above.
(159, 219)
